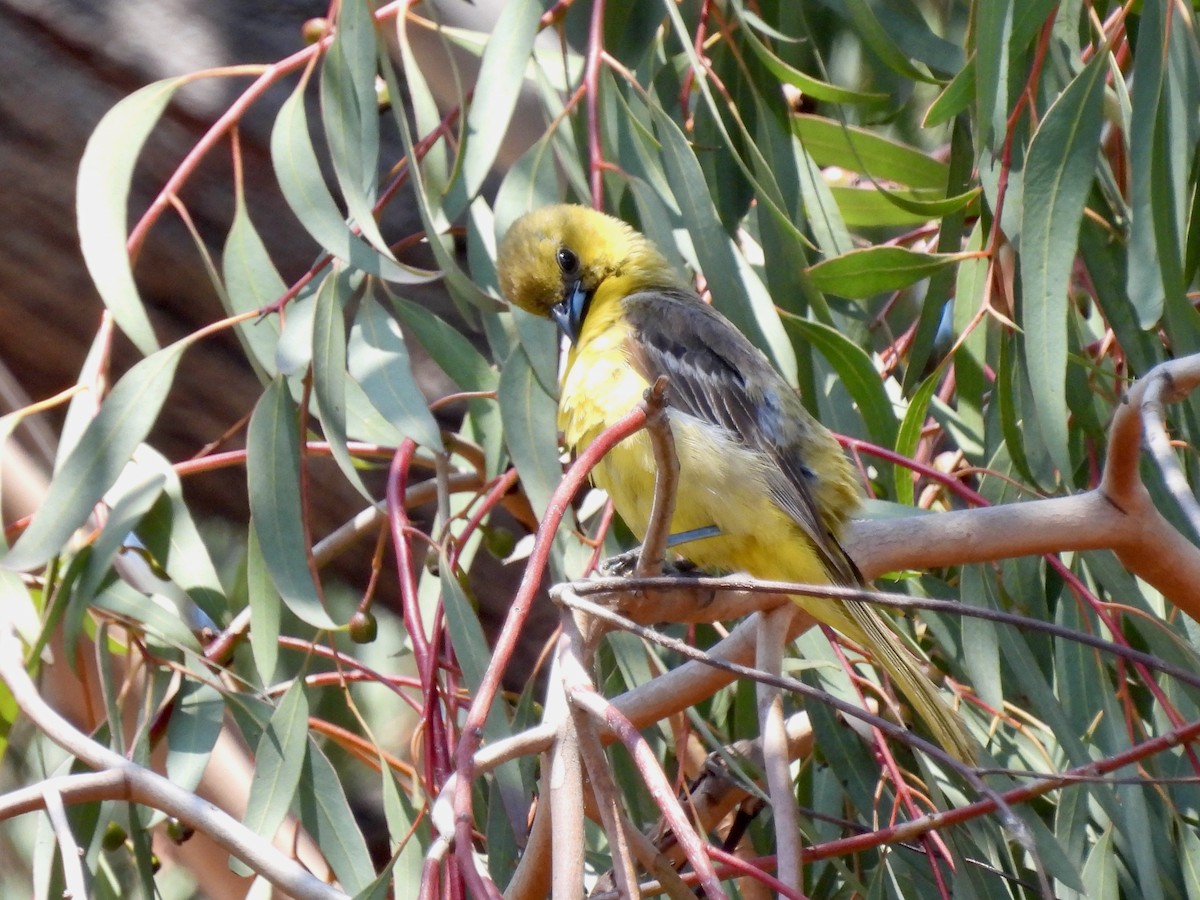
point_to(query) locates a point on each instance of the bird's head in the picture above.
(553, 261)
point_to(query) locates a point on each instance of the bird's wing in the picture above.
(718, 376)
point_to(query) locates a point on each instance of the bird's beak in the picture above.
(568, 314)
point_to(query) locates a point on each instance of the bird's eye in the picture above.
(568, 262)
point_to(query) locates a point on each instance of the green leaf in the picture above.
(1100, 871)
(379, 363)
(857, 373)
(808, 85)
(132, 499)
(173, 540)
(326, 815)
(278, 764)
(540, 340)
(104, 448)
(454, 354)
(501, 78)
(329, 371)
(102, 202)
(251, 283)
(1189, 843)
(869, 206)
(993, 31)
(305, 191)
(159, 619)
(1151, 178)
(954, 98)
(870, 31)
(530, 430)
(466, 634)
(435, 217)
(265, 611)
(1013, 412)
(910, 435)
(875, 270)
(350, 116)
(192, 733)
(929, 335)
(1058, 173)
(1139, 831)
(404, 823)
(833, 143)
(530, 183)
(273, 476)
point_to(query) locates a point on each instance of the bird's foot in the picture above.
(624, 565)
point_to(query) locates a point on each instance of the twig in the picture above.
(1009, 819)
(530, 880)
(908, 831)
(666, 480)
(656, 783)
(566, 813)
(472, 733)
(773, 629)
(771, 589)
(576, 657)
(148, 788)
(68, 848)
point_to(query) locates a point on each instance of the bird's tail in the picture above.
(864, 625)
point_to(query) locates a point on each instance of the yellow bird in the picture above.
(766, 479)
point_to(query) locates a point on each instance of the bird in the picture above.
(764, 487)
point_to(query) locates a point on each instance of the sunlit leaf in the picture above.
(833, 143)
(350, 115)
(874, 270)
(857, 373)
(102, 452)
(728, 279)
(329, 371)
(449, 348)
(810, 86)
(379, 362)
(530, 430)
(501, 71)
(102, 203)
(1058, 176)
(265, 611)
(304, 188)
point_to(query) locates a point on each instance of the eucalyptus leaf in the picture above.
(251, 283)
(874, 270)
(304, 188)
(104, 448)
(329, 371)
(273, 475)
(530, 429)
(192, 732)
(102, 203)
(278, 763)
(1059, 169)
(379, 361)
(326, 815)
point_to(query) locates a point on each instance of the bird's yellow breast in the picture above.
(722, 482)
